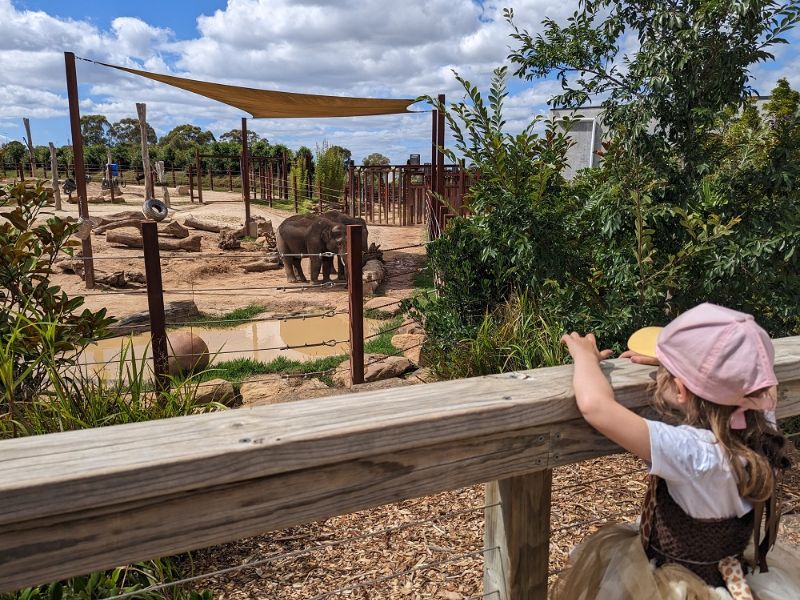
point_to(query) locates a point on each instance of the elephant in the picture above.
(344, 219)
(309, 234)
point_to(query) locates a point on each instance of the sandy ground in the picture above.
(215, 279)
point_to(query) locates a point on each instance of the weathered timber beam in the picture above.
(177, 484)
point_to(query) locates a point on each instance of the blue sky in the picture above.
(341, 47)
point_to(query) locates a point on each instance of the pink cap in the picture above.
(722, 356)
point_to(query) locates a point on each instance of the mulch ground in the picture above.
(429, 547)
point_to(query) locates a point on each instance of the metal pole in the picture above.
(355, 289)
(78, 166)
(245, 176)
(155, 303)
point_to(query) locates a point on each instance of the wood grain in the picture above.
(79, 501)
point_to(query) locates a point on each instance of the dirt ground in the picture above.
(214, 278)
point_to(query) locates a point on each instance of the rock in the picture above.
(95, 200)
(424, 375)
(383, 305)
(410, 344)
(275, 391)
(178, 311)
(261, 240)
(182, 190)
(411, 328)
(118, 200)
(383, 384)
(373, 271)
(72, 199)
(228, 240)
(215, 390)
(376, 368)
(187, 352)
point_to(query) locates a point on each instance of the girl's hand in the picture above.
(640, 359)
(584, 347)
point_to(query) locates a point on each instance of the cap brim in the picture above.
(644, 341)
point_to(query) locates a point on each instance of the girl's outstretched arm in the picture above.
(595, 398)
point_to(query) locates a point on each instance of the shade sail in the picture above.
(268, 104)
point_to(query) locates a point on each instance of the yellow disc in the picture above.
(644, 341)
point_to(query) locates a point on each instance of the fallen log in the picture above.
(131, 222)
(173, 229)
(190, 244)
(263, 264)
(203, 225)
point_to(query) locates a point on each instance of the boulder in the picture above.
(383, 306)
(215, 390)
(373, 271)
(187, 352)
(376, 368)
(410, 344)
(182, 190)
(276, 391)
(95, 199)
(411, 328)
(424, 375)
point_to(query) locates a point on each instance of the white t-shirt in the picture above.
(697, 472)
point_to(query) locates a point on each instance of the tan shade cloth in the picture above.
(267, 104)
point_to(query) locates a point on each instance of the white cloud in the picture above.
(344, 47)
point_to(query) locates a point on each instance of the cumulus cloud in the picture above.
(344, 47)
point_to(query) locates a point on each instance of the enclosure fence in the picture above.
(93, 499)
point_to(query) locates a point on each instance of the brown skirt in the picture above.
(612, 565)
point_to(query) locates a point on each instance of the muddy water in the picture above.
(261, 341)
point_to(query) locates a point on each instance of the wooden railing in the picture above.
(86, 500)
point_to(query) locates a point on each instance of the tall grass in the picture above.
(515, 336)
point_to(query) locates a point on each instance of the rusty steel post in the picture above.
(285, 176)
(245, 176)
(440, 175)
(79, 168)
(155, 303)
(355, 289)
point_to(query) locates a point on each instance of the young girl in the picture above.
(714, 477)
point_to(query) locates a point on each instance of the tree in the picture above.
(13, 152)
(96, 130)
(185, 136)
(330, 173)
(127, 131)
(235, 135)
(343, 152)
(376, 159)
(693, 60)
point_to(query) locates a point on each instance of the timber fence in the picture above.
(93, 499)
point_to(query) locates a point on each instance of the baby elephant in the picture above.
(309, 234)
(343, 219)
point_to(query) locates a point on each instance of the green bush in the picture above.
(329, 172)
(28, 251)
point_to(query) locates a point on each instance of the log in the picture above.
(190, 244)
(175, 230)
(133, 222)
(263, 264)
(203, 225)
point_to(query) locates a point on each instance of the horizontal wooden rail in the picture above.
(80, 501)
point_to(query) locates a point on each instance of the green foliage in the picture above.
(13, 152)
(376, 159)
(330, 172)
(517, 335)
(96, 130)
(519, 214)
(235, 317)
(36, 317)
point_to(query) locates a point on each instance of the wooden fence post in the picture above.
(199, 169)
(191, 183)
(355, 289)
(294, 191)
(155, 303)
(54, 174)
(517, 537)
(245, 171)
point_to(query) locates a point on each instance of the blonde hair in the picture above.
(754, 453)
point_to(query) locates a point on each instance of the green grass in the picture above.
(239, 369)
(235, 317)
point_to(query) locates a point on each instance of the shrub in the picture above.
(329, 172)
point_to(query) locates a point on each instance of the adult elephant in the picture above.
(309, 234)
(345, 220)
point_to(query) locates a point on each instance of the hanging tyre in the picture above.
(154, 209)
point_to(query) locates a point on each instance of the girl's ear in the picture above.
(683, 392)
